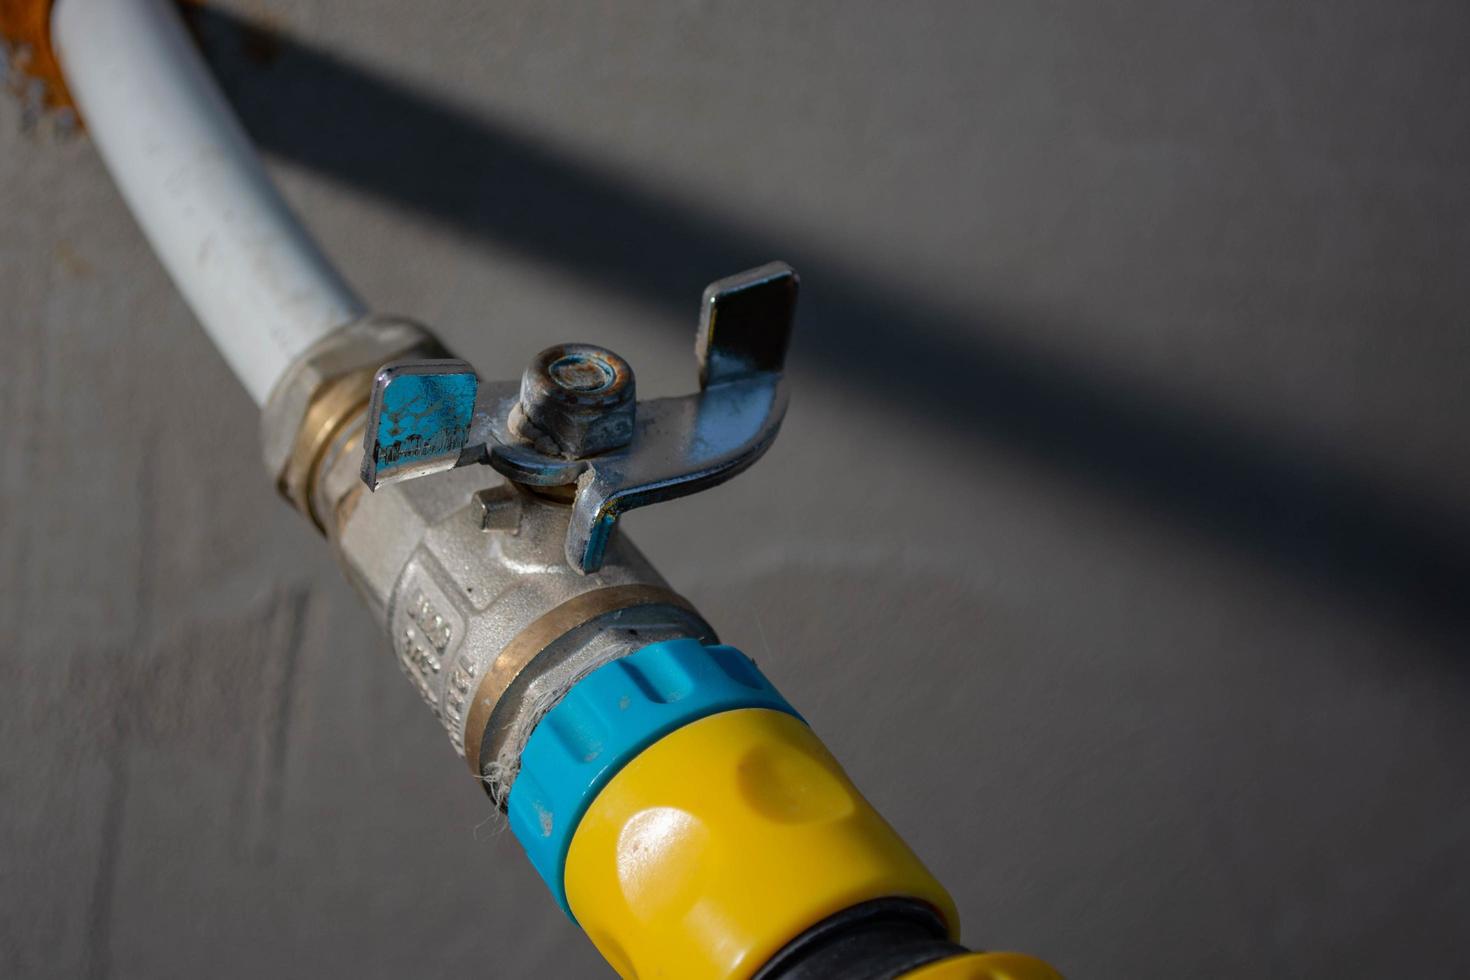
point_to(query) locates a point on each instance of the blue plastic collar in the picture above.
(606, 719)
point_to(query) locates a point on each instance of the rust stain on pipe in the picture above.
(26, 26)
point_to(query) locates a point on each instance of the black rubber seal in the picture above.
(878, 940)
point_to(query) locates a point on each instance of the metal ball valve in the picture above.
(571, 421)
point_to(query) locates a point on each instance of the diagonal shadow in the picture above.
(1313, 515)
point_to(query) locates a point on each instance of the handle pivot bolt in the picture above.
(577, 400)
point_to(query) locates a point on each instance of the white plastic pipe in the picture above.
(253, 276)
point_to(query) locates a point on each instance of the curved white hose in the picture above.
(260, 286)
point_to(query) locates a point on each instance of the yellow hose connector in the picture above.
(725, 840)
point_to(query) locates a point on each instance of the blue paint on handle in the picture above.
(423, 420)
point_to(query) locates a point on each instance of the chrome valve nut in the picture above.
(577, 400)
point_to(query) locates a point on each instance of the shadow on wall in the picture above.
(1283, 502)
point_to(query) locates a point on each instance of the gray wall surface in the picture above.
(1117, 541)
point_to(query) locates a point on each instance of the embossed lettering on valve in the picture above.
(425, 651)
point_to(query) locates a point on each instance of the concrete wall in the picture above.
(1117, 540)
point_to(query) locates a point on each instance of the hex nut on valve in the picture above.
(577, 400)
